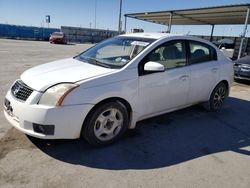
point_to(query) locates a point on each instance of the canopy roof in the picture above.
(219, 15)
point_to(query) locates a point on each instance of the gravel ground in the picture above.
(186, 148)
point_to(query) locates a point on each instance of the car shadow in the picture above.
(68, 44)
(163, 141)
(246, 82)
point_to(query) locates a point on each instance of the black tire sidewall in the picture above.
(211, 100)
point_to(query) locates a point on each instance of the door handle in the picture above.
(214, 70)
(184, 77)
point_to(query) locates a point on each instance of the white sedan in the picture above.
(105, 90)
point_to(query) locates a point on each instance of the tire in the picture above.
(217, 98)
(105, 124)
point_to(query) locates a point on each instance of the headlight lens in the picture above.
(55, 95)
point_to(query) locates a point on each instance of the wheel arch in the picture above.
(224, 81)
(111, 99)
(226, 84)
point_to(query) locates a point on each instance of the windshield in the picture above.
(57, 34)
(115, 52)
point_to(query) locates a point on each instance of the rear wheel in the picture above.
(217, 97)
(106, 124)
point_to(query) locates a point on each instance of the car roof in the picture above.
(57, 32)
(150, 35)
(159, 36)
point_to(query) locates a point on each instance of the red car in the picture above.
(57, 38)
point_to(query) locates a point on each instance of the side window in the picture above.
(171, 54)
(200, 52)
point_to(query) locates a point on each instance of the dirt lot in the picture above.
(187, 148)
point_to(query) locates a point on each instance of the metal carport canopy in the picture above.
(218, 15)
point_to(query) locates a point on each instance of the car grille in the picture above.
(244, 76)
(21, 91)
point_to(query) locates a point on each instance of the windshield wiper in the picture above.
(102, 64)
(99, 63)
(94, 61)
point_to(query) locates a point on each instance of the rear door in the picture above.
(204, 71)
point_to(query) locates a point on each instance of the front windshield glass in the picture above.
(115, 52)
(57, 34)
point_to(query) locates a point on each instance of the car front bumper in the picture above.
(66, 120)
(242, 73)
(239, 77)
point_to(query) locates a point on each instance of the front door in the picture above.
(162, 91)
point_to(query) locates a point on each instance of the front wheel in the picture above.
(106, 124)
(217, 97)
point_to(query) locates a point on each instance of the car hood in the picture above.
(243, 60)
(66, 70)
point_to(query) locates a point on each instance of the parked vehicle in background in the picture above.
(105, 90)
(137, 30)
(242, 68)
(58, 38)
(226, 46)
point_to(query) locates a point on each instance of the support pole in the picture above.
(243, 34)
(170, 22)
(120, 21)
(212, 32)
(125, 24)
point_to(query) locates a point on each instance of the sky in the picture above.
(81, 13)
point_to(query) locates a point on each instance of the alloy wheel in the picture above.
(108, 124)
(219, 97)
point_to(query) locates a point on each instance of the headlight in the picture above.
(55, 95)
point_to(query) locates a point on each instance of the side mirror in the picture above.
(154, 67)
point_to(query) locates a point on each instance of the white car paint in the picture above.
(148, 95)
(66, 70)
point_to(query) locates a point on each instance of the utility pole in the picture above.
(47, 17)
(120, 21)
(95, 14)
